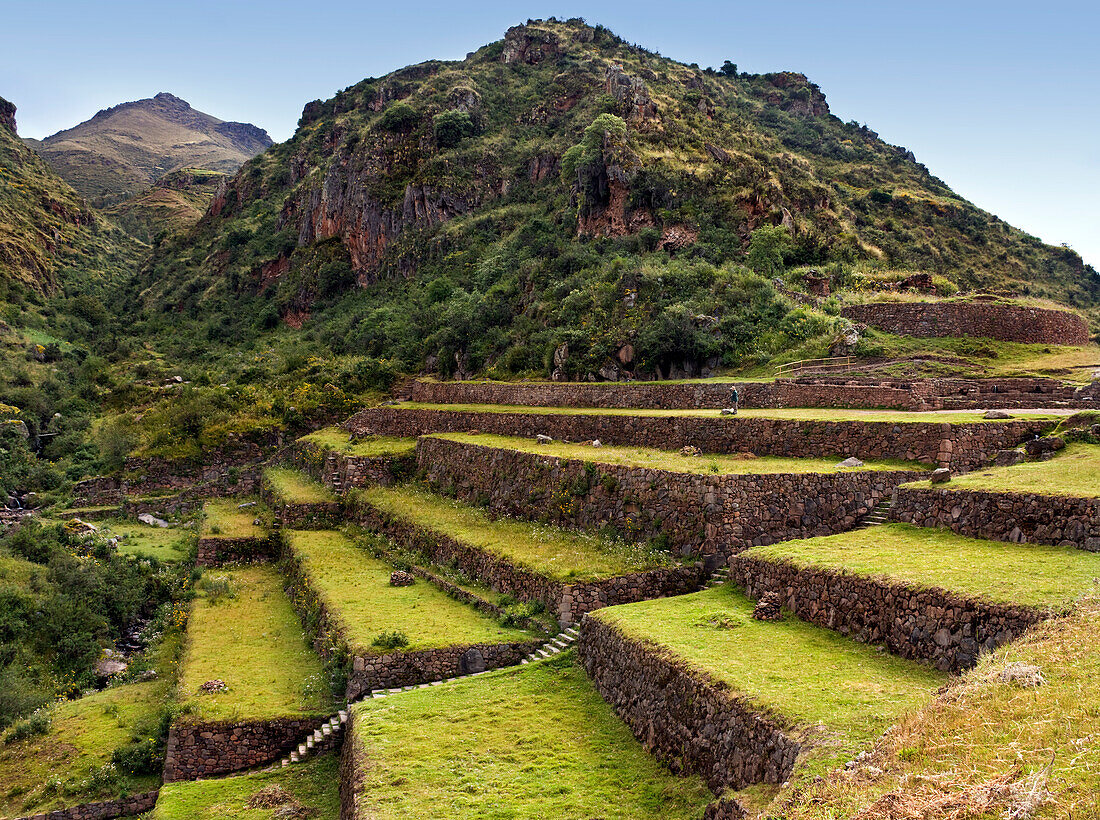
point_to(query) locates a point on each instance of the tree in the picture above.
(728, 69)
(767, 247)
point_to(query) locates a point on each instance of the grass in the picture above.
(1075, 471)
(314, 783)
(252, 641)
(144, 541)
(673, 461)
(333, 438)
(1030, 574)
(546, 550)
(532, 742)
(983, 730)
(83, 733)
(355, 588)
(840, 694)
(222, 518)
(795, 413)
(295, 487)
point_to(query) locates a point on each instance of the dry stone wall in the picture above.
(198, 750)
(214, 552)
(959, 446)
(568, 602)
(689, 721)
(1009, 323)
(130, 806)
(389, 669)
(704, 515)
(930, 624)
(1015, 517)
(353, 775)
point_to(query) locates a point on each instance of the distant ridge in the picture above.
(124, 149)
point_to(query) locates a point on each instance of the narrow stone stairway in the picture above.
(879, 514)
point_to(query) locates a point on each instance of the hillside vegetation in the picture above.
(564, 201)
(125, 149)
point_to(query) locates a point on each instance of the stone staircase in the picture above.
(327, 736)
(879, 514)
(716, 578)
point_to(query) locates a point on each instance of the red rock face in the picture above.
(613, 219)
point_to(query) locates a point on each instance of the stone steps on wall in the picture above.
(879, 514)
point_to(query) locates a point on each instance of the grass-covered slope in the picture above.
(1074, 472)
(174, 204)
(990, 745)
(123, 150)
(563, 187)
(532, 742)
(47, 232)
(244, 632)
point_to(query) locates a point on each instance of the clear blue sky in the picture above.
(999, 99)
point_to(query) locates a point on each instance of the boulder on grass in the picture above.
(543, 439)
(940, 476)
(851, 461)
(996, 414)
(400, 578)
(1038, 447)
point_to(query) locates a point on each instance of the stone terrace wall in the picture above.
(130, 806)
(568, 601)
(395, 668)
(959, 446)
(312, 515)
(1009, 323)
(694, 724)
(213, 552)
(781, 393)
(353, 775)
(339, 471)
(930, 624)
(704, 515)
(197, 750)
(1015, 517)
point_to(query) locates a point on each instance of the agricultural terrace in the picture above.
(294, 487)
(244, 632)
(355, 588)
(1075, 471)
(550, 551)
(333, 438)
(223, 518)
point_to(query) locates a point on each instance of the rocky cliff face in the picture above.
(7, 115)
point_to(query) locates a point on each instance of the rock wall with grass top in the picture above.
(688, 720)
(781, 393)
(1003, 516)
(393, 668)
(308, 515)
(215, 551)
(1007, 323)
(959, 446)
(567, 601)
(918, 623)
(353, 773)
(340, 471)
(709, 516)
(199, 750)
(130, 806)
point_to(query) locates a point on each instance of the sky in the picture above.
(1001, 100)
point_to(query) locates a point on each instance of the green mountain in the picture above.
(47, 232)
(123, 150)
(562, 198)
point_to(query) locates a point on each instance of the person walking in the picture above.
(735, 397)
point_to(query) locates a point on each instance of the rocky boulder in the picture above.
(1045, 446)
(940, 476)
(400, 578)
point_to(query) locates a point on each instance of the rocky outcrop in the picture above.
(530, 45)
(7, 115)
(793, 92)
(631, 92)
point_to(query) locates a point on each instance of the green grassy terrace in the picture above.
(82, 735)
(983, 730)
(532, 742)
(333, 438)
(1029, 574)
(673, 461)
(144, 541)
(550, 551)
(798, 413)
(1073, 472)
(848, 688)
(355, 588)
(294, 487)
(251, 639)
(313, 785)
(222, 519)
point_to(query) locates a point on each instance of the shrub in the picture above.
(36, 724)
(390, 640)
(451, 127)
(400, 116)
(767, 247)
(139, 757)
